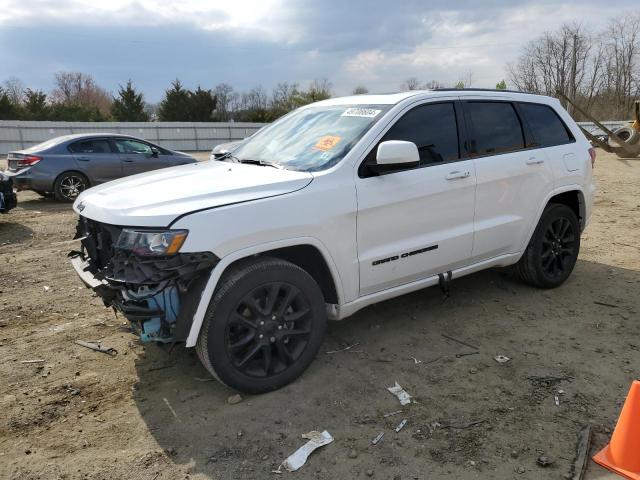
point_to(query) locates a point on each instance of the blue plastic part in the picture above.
(167, 301)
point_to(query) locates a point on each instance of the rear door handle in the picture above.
(535, 161)
(457, 174)
(127, 160)
(84, 159)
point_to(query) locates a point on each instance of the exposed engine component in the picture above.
(156, 294)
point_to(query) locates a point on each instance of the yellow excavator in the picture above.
(625, 144)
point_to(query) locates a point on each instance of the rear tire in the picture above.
(264, 325)
(553, 249)
(69, 185)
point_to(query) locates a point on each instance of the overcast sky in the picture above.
(247, 42)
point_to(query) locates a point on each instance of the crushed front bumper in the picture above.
(158, 295)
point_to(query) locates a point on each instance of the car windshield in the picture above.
(311, 139)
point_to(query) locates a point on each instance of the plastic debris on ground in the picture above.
(297, 459)
(377, 439)
(401, 425)
(391, 414)
(403, 396)
(501, 358)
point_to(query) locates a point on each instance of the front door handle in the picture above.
(84, 159)
(457, 174)
(127, 160)
(534, 161)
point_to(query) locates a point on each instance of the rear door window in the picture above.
(545, 125)
(94, 145)
(495, 128)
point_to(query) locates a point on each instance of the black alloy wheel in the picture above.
(558, 247)
(553, 248)
(264, 325)
(269, 329)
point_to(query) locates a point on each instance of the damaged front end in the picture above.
(141, 274)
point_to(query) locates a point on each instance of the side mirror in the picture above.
(155, 152)
(398, 153)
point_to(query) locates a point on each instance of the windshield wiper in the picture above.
(228, 156)
(262, 163)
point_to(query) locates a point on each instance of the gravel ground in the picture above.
(151, 414)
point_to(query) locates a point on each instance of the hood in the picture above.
(155, 199)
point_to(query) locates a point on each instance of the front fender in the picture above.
(223, 264)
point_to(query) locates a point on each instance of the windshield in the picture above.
(311, 139)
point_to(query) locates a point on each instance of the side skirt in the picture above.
(340, 312)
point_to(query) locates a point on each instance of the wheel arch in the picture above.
(306, 252)
(574, 199)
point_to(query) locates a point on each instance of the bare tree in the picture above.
(465, 80)
(622, 65)
(15, 90)
(582, 66)
(411, 83)
(319, 89)
(226, 98)
(433, 84)
(360, 90)
(81, 89)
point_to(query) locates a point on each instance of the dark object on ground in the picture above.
(8, 198)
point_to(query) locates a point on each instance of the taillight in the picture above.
(28, 161)
(592, 154)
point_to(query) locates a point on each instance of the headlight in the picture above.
(151, 243)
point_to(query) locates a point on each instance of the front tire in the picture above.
(69, 185)
(553, 249)
(263, 326)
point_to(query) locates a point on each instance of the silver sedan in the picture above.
(65, 166)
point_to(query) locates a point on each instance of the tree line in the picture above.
(599, 70)
(77, 97)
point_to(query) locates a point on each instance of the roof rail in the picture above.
(482, 90)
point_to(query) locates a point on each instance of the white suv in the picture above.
(337, 205)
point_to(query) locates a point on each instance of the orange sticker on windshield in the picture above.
(327, 143)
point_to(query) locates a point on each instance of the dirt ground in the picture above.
(151, 414)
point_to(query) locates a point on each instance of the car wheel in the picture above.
(263, 326)
(69, 185)
(553, 249)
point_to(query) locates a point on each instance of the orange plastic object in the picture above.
(622, 455)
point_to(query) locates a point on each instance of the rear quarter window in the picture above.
(495, 128)
(546, 126)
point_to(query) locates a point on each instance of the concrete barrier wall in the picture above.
(190, 136)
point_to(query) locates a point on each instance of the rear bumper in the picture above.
(31, 179)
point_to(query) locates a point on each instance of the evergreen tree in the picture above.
(502, 85)
(176, 104)
(202, 104)
(8, 110)
(129, 106)
(35, 105)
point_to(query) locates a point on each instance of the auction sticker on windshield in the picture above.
(361, 112)
(327, 143)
